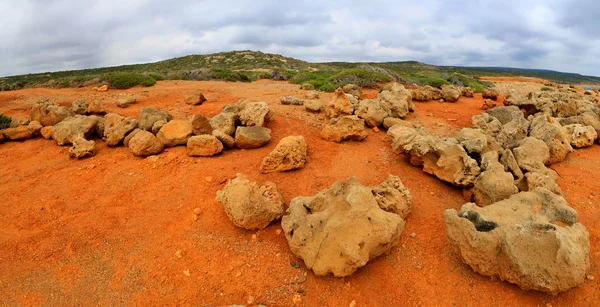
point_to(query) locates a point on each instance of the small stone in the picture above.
(297, 299)
(412, 235)
(254, 237)
(590, 277)
(278, 231)
(186, 273)
(208, 179)
(251, 300)
(238, 274)
(197, 211)
(301, 278)
(352, 304)
(178, 254)
(195, 217)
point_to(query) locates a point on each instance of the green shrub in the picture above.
(127, 80)
(157, 77)
(360, 77)
(546, 89)
(4, 121)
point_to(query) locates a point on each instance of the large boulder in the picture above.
(450, 93)
(250, 204)
(493, 184)
(49, 114)
(19, 133)
(532, 240)
(488, 104)
(373, 111)
(200, 124)
(467, 92)
(144, 144)
(396, 99)
(254, 113)
(344, 128)
(580, 135)
(352, 89)
(532, 154)
(252, 137)
(82, 148)
(342, 228)
(176, 132)
(555, 136)
(224, 122)
(340, 105)
(289, 154)
(67, 130)
(149, 116)
(116, 128)
(203, 146)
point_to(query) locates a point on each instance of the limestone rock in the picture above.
(510, 164)
(157, 126)
(19, 121)
(352, 89)
(344, 128)
(533, 180)
(252, 137)
(125, 102)
(129, 136)
(200, 124)
(490, 93)
(310, 95)
(224, 122)
(450, 93)
(493, 184)
(144, 144)
(35, 127)
(487, 123)
(46, 132)
(342, 228)
(388, 122)
(203, 146)
(116, 127)
(49, 114)
(426, 93)
(19, 133)
(226, 139)
(291, 100)
(289, 154)
(580, 135)
(96, 108)
(532, 154)
(249, 204)
(555, 136)
(149, 116)
(312, 105)
(396, 99)
(175, 132)
(67, 130)
(467, 92)
(254, 113)
(307, 86)
(488, 104)
(195, 99)
(79, 107)
(339, 106)
(82, 148)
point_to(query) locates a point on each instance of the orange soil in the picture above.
(106, 231)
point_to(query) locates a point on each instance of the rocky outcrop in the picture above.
(149, 116)
(344, 128)
(252, 137)
(342, 228)
(388, 122)
(532, 239)
(174, 133)
(289, 154)
(514, 126)
(144, 143)
(79, 107)
(532, 154)
(250, 204)
(72, 127)
(494, 183)
(203, 146)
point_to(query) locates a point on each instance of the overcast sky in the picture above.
(50, 35)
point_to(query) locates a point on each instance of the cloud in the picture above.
(40, 36)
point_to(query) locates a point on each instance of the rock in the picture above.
(46, 132)
(49, 114)
(450, 93)
(344, 128)
(72, 127)
(125, 102)
(493, 184)
(580, 135)
(467, 92)
(157, 126)
(312, 105)
(291, 100)
(510, 164)
(116, 127)
(144, 143)
(555, 136)
(103, 88)
(224, 122)
(149, 116)
(19, 133)
(426, 93)
(252, 137)
(129, 136)
(353, 90)
(389, 122)
(18, 121)
(342, 228)
(487, 123)
(195, 99)
(175, 132)
(533, 180)
(532, 240)
(226, 139)
(488, 104)
(249, 204)
(200, 124)
(396, 99)
(35, 127)
(96, 108)
(99, 130)
(82, 148)
(310, 95)
(203, 146)
(473, 140)
(373, 111)
(514, 126)
(79, 107)
(532, 154)
(254, 113)
(289, 154)
(307, 86)
(490, 93)
(339, 105)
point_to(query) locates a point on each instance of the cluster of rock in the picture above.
(525, 232)
(336, 231)
(448, 93)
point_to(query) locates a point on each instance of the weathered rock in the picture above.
(339, 105)
(82, 148)
(312, 105)
(116, 127)
(531, 239)
(174, 133)
(46, 132)
(493, 184)
(103, 88)
(291, 100)
(252, 137)
(99, 130)
(344, 128)
(289, 154)
(473, 140)
(96, 108)
(19, 133)
(353, 90)
(67, 130)
(157, 126)
(486, 123)
(35, 127)
(388, 122)
(224, 122)
(396, 99)
(342, 228)
(311, 95)
(555, 136)
(227, 140)
(149, 116)
(195, 99)
(490, 93)
(200, 124)
(514, 126)
(533, 180)
(488, 104)
(307, 86)
(373, 111)
(49, 114)
(532, 154)
(426, 93)
(18, 121)
(467, 92)
(129, 136)
(450, 93)
(203, 146)
(254, 113)
(79, 107)
(581, 136)
(510, 164)
(125, 102)
(249, 204)
(144, 143)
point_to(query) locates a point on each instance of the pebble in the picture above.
(278, 231)
(186, 273)
(208, 179)
(238, 274)
(197, 211)
(412, 235)
(590, 277)
(251, 300)
(375, 129)
(352, 304)
(254, 237)
(297, 299)
(301, 278)
(195, 217)
(178, 254)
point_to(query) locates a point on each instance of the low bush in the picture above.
(128, 80)
(546, 89)
(4, 121)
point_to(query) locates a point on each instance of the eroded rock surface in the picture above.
(289, 154)
(344, 128)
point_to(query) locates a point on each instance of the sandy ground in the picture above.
(116, 230)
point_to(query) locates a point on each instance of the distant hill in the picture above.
(251, 65)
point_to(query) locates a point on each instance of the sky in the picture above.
(52, 35)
